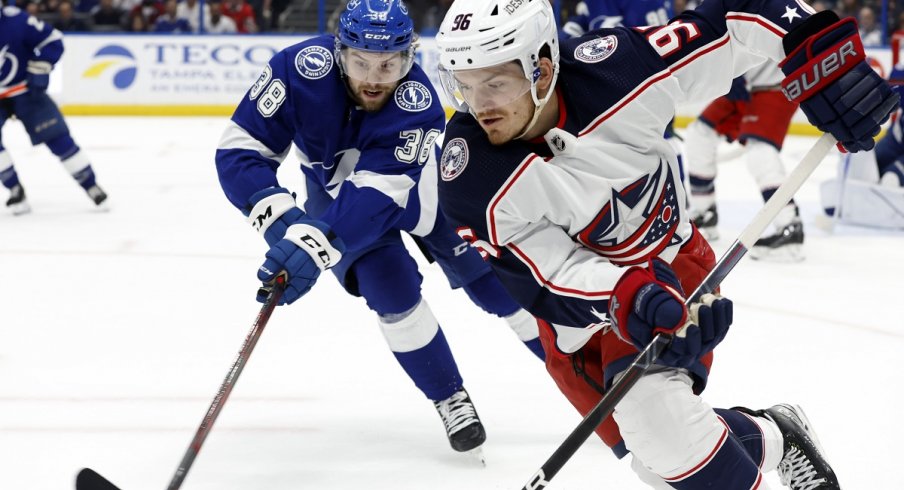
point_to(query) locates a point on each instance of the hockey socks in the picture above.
(420, 346)
(8, 174)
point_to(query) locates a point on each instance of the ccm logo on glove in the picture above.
(315, 243)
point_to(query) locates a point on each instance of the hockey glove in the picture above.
(827, 74)
(299, 245)
(648, 301)
(271, 212)
(37, 76)
(304, 253)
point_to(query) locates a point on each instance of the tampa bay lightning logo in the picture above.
(413, 96)
(314, 62)
(596, 50)
(9, 66)
(117, 60)
(454, 159)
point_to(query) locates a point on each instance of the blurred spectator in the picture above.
(219, 23)
(126, 5)
(33, 8)
(819, 6)
(67, 21)
(190, 10)
(268, 12)
(148, 11)
(240, 12)
(168, 22)
(869, 28)
(847, 8)
(107, 15)
(137, 23)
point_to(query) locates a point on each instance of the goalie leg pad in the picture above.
(680, 438)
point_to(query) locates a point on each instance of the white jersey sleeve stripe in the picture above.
(236, 138)
(397, 187)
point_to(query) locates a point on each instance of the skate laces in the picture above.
(457, 412)
(796, 471)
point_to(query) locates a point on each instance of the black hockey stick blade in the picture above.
(88, 479)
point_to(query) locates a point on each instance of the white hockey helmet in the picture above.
(478, 34)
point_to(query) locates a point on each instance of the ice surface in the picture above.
(117, 329)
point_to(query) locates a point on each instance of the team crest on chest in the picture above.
(596, 50)
(454, 159)
(314, 62)
(413, 97)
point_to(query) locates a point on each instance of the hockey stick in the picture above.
(660, 342)
(88, 479)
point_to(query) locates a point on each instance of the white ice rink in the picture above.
(116, 329)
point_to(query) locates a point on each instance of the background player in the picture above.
(364, 120)
(869, 189)
(757, 114)
(28, 50)
(558, 170)
(595, 14)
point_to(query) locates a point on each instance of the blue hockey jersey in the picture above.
(362, 170)
(24, 40)
(595, 14)
(559, 219)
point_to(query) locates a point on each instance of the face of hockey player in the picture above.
(499, 97)
(373, 76)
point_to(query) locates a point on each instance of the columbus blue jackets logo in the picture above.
(596, 50)
(639, 222)
(314, 62)
(454, 159)
(413, 96)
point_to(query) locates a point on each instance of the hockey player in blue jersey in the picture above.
(594, 14)
(364, 120)
(556, 167)
(28, 50)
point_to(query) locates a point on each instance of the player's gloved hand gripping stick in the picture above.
(661, 341)
(88, 479)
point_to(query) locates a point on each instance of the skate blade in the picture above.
(103, 207)
(808, 426)
(19, 209)
(476, 455)
(784, 254)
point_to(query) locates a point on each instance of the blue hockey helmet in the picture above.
(375, 41)
(376, 25)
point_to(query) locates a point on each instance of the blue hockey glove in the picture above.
(827, 74)
(307, 249)
(738, 91)
(647, 301)
(37, 76)
(272, 211)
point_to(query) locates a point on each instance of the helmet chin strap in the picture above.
(539, 104)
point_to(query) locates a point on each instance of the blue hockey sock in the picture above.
(8, 174)
(74, 160)
(536, 347)
(728, 464)
(420, 346)
(702, 185)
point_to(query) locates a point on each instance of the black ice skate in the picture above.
(17, 202)
(803, 466)
(462, 424)
(783, 246)
(706, 222)
(97, 195)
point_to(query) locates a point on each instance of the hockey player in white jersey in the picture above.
(29, 49)
(364, 121)
(757, 114)
(556, 168)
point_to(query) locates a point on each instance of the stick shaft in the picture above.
(228, 384)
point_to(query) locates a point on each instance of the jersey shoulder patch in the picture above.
(454, 159)
(314, 62)
(11, 11)
(596, 50)
(413, 96)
